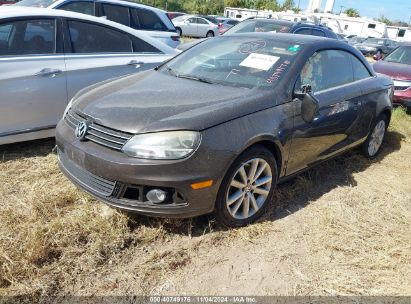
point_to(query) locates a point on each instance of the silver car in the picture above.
(47, 56)
(154, 21)
(196, 26)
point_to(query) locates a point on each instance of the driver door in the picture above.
(336, 126)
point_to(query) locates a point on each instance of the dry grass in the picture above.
(341, 228)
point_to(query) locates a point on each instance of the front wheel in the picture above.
(247, 188)
(373, 144)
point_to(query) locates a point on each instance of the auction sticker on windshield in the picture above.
(259, 61)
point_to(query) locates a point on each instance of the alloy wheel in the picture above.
(377, 136)
(249, 188)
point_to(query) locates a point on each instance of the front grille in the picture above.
(99, 134)
(88, 180)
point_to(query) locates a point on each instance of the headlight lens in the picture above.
(163, 145)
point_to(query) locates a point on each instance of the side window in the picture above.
(192, 20)
(320, 70)
(83, 7)
(318, 33)
(150, 21)
(303, 31)
(91, 38)
(116, 13)
(359, 70)
(140, 46)
(28, 37)
(401, 33)
(201, 21)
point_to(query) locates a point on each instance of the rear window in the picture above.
(82, 7)
(116, 13)
(91, 38)
(146, 20)
(235, 61)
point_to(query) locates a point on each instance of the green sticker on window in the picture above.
(294, 48)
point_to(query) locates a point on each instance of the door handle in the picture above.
(49, 72)
(136, 63)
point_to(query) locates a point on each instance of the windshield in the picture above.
(35, 3)
(235, 61)
(256, 25)
(400, 55)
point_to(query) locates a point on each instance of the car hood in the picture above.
(397, 71)
(153, 101)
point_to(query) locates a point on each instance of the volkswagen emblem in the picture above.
(81, 130)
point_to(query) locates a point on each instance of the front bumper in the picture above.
(109, 174)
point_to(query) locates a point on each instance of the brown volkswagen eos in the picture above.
(217, 127)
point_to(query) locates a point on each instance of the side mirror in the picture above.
(309, 104)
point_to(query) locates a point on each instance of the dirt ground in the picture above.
(343, 228)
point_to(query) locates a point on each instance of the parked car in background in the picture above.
(154, 21)
(397, 65)
(173, 15)
(281, 26)
(234, 116)
(195, 26)
(7, 2)
(372, 46)
(355, 40)
(42, 68)
(342, 38)
(225, 23)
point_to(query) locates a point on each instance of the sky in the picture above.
(392, 9)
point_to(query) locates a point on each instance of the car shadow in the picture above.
(34, 148)
(290, 196)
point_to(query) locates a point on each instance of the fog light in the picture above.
(156, 196)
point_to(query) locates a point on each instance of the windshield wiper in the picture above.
(192, 77)
(186, 76)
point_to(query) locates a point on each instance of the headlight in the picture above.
(163, 145)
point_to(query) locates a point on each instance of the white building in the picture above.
(245, 13)
(359, 26)
(399, 33)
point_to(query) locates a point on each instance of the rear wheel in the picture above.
(210, 34)
(408, 110)
(247, 188)
(372, 145)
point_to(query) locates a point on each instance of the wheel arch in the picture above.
(387, 112)
(270, 143)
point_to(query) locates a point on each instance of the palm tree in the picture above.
(352, 12)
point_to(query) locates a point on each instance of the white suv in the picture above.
(154, 21)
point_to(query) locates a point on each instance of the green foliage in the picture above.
(287, 5)
(267, 5)
(385, 20)
(352, 12)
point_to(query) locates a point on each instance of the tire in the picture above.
(246, 196)
(210, 34)
(372, 146)
(179, 31)
(408, 110)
